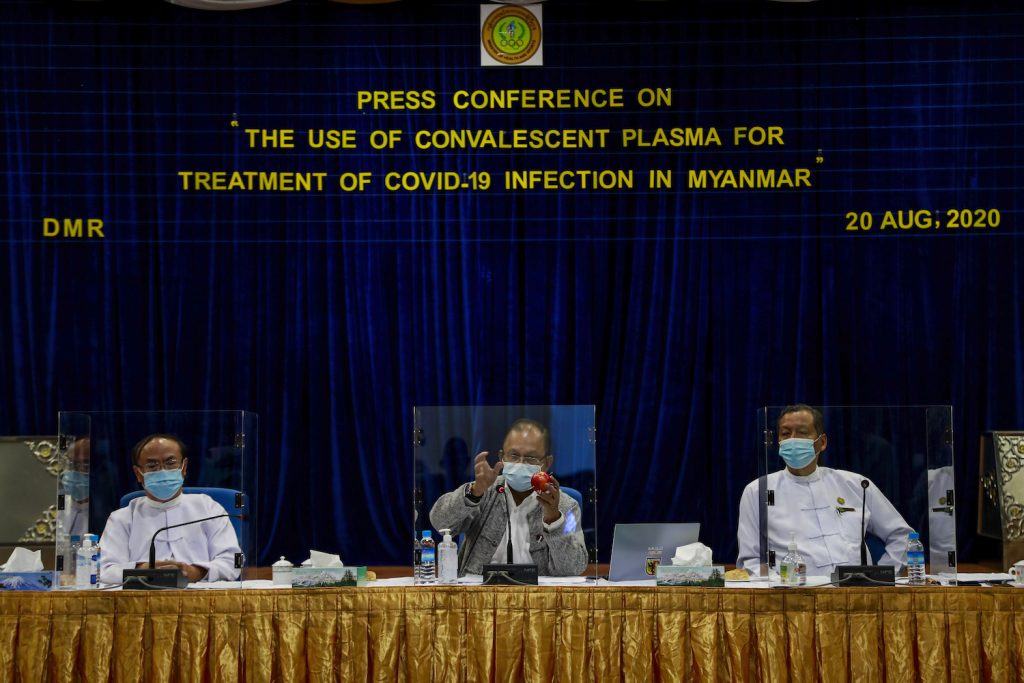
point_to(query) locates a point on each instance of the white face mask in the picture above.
(518, 475)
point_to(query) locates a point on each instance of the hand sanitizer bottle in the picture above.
(793, 571)
(447, 559)
(87, 563)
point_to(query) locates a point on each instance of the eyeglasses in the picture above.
(798, 434)
(529, 459)
(156, 466)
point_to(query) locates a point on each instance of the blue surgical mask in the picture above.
(76, 484)
(163, 484)
(797, 452)
(518, 475)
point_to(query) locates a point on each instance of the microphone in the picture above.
(508, 520)
(863, 511)
(153, 578)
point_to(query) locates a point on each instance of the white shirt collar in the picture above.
(806, 480)
(163, 505)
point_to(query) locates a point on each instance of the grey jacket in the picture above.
(562, 552)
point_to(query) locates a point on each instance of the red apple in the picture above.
(540, 481)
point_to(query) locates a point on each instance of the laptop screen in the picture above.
(637, 549)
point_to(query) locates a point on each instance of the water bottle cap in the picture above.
(427, 533)
(914, 536)
(76, 537)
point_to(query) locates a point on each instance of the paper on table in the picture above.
(220, 585)
(642, 582)
(394, 581)
(560, 580)
(985, 578)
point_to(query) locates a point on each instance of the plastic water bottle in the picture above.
(69, 575)
(87, 563)
(447, 559)
(793, 571)
(915, 559)
(427, 558)
(73, 545)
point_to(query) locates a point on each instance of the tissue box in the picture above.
(312, 577)
(26, 581)
(711, 576)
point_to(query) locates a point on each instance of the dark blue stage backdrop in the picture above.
(708, 207)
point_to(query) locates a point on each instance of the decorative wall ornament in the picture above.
(44, 529)
(1009, 452)
(47, 453)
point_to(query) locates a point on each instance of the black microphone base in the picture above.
(510, 574)
(155, 579)
(861, 575)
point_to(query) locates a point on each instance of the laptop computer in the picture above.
(638, 548)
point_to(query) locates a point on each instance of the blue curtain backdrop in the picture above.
(677, 313)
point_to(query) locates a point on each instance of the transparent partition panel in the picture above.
(129, 474)
(73, 492)
(753, 525)
(473, 467)
(940, 534)
(832, 471)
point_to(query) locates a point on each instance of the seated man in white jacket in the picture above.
(202, 552)
(820, 506)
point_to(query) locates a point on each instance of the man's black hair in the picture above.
(526, 423)
(137, 450)
(819, 419)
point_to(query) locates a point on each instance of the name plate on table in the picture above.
(864, 575)
(510, 575)
(333, 577)
(710, 576)
(26, 581)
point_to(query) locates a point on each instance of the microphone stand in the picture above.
(509, 574)
(864, 574)
(153, 578)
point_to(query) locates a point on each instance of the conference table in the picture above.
(570, 632)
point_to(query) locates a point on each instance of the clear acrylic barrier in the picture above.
(905, 453)
(98, 479)
(447, 439)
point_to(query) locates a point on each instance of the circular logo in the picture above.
(511, 35)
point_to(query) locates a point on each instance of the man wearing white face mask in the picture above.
(820, 506)
(203, 551)
(545, 525)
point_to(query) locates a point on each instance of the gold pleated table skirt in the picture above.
(545, 633)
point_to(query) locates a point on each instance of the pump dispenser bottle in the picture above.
(447, 559)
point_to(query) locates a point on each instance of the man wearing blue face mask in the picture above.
(819, 506)
(203, 551)
(545, 525)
